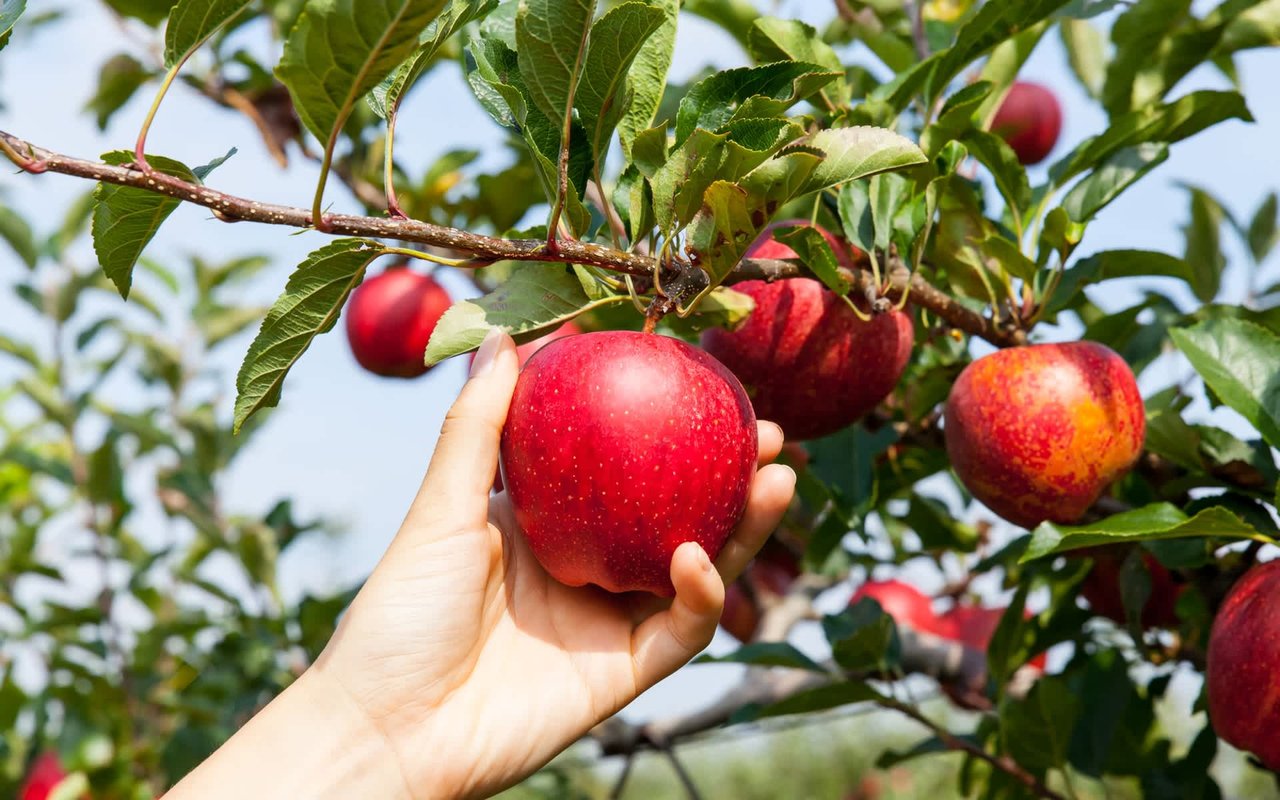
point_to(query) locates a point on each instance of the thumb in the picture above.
(456, 487)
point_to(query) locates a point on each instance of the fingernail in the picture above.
(777, 428)
(483, 362)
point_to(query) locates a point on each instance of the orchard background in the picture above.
(161, 578)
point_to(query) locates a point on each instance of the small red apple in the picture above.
(1244, 651)
(1038, 432)
(1101, 588)
(807, 360)
(46, 773)
(770, 575)
(1030, 120)
(974, 626)
(619, 447)
(908, 606)
(390, 318)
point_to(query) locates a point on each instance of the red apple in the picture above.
(46, 773)
(807, 360)
(390, 318)
(770, 576)
(1244, 651)
(1101, 588)
(1037, 433)
(909, 607)
(1030, 120)
(619, 447)
(974, 626)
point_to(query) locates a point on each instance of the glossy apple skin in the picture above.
(1038, 432)
(1101, 588)
(770, 575)
(808, 362)
(1244, 651)
(46, 773)
(1030, 120)
(390, 318)
(974, 626)
(621, 446)
(908, 606)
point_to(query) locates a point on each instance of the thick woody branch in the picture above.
(483, 249)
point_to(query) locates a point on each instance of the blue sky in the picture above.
(352, 447)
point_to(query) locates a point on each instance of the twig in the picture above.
(621, 782)
(686, 780)
(485, 249)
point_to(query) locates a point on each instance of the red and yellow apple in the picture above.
(1243, 664)
(618, 448)
(1030, 120)
(1038, 432)
(807, 360)
(390, 318)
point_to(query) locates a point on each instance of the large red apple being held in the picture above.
(1243, 664)
(1037, 433)
(618, 448)
(390, 318)
(1030, 120)
(807, 360)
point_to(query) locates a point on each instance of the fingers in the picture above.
(770, 495)
(458, 481)
(770, 436)
(667, 640)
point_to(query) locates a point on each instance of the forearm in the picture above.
(309, 743)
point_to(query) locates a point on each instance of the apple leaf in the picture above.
(1116, 264)
(772, 39)
(1168, 123)
(1086, 53)
(341, 49)
(10, 10)
(17, 232)
(816, 254)
(125, 219)
(819, 699)
(192, 22)
(120, 77)
(863, 637)
(152, 12)
(1240, 362)
(1262, 232)
(1150, 523)
(766, 654)
(858, 152)
(551, 39)
(604, 92)
(1002, 67)
(747, 92)
(998, 157)
(309, 306)
(648, 75)
(1203, 252)
(535, 300)
(1038, 727)
(1110, 178)
(388, 94)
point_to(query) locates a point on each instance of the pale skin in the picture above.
(462, 667)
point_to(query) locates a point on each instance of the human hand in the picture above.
(464, 662)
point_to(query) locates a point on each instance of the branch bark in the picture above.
(485, 249)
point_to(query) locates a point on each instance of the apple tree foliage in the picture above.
(875, 124)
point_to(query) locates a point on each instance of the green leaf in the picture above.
(648, 75)
(824, 697)
(1037, 729)
(1002, 68)
(152, 12)
(535, 300)
(15, 230)
(998, 157)
(1009, 258)
(1086, 53)
(1155, 522)
(192, 22)
(1169, 123)
(121, 76)
(815, 252)
(106, 475)
(860, 152)
(309, 306)
(1138, 34)
(1110, 178)
(551, 39)
(341, 49)
(1204, 244)
(125, 219)
(1116, 264)
(1240, 362)
(766, 654)
(746, 92)
(772, 39)
(10, 10)
(389, 93)
(863, 637)
(603, 92)
(1262, 233)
